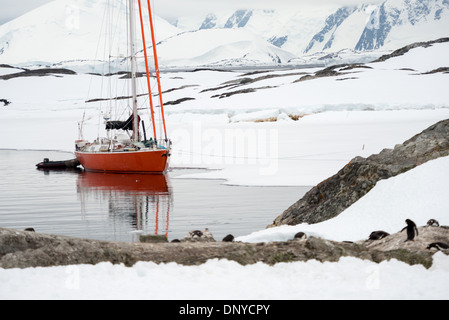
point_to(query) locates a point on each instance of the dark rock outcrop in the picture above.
(332, 196)
(404, 50)
(38, 73)
(333, 71)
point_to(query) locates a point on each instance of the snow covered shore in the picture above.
(224, 280)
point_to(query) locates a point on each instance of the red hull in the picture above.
(148, 161)
(125, 183)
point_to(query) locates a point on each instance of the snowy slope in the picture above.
(65, 30)
(219, 47)
(70, 30)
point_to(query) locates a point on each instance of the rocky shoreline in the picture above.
(25, 249)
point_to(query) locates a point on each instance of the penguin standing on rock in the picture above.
(411, 228)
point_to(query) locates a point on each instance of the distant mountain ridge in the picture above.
(371, 27)
(391, 15)
(68, 30)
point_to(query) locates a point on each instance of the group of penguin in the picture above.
(411, 228)
(198, 234)
(412, 231)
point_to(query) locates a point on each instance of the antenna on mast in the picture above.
(132, 47)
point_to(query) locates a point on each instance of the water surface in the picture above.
(120, 207)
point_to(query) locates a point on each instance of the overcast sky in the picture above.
(9, 9)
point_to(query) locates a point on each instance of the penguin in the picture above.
(195, 233)
(438, 246)
(228, 238)
(377, 235)
(300, 235)
(207, 234)
(411, 228)
(433, 223)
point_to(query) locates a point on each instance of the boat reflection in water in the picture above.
(136, 203)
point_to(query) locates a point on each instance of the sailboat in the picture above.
(123, 153)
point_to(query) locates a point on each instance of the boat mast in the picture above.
(132, 26)
(147, 69)
(156, 64)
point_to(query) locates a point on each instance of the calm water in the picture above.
(119, 207)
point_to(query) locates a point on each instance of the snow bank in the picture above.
(221, 279)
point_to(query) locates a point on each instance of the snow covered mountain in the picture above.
(389, 25)
(396, 23)
(290, 30)
(76, 30)
(220, 47)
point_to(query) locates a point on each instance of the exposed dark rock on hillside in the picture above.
(404, 50)
(38, 73)
(172, 103)
(332, 196)
(333, 71)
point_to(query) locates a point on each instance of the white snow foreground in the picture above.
(350, 278)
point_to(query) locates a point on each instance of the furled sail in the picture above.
(124, 125)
